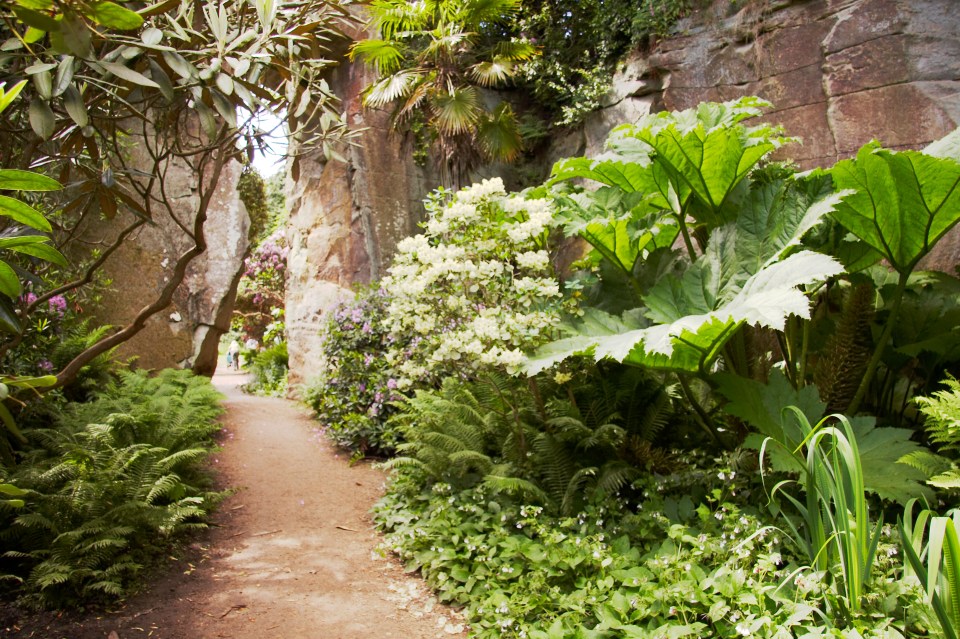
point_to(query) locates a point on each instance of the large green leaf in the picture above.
(15, 180)
(114, 16)
(23, 213)
(764, 407)
(40, 250)
(904, 202)
(692, 341)
(706, 152)
(9, 282)
(612, 171)
(618, 224)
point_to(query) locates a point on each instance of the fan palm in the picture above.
(434, 57)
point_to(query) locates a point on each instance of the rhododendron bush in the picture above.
(473, 292)
(476, 288)
(260, 296)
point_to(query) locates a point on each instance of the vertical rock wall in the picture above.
(839, 72)
(346, 218)
(187, 333)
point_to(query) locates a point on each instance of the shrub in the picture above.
(692, 556)
(352, 395)
(269, 369)
(475, 289)
(108, 487)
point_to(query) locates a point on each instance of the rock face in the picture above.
(187, 333)
(346, 219)
(839, 72)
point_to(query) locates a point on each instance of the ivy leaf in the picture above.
(904, 202)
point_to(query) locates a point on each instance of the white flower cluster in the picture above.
(476, 287)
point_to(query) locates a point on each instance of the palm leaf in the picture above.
(385, 55)
(499, 136)
(456, 110)
(391, 88)
(515, 50)
(492, 73)
(478, 12)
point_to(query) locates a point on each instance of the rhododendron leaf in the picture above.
(904, 202)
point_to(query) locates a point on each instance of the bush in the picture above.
(269, 369)
(475, 289)
(693, 556)
(108, 487)
(352, 395)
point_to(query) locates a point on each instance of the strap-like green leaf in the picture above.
(23, 213)
(114, 16)
(42, 251)
(15, 180)
(11, 425)
(125, 73)
(9, 282)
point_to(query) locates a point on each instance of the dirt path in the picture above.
(293, 556)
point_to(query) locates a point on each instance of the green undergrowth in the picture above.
(105, 488)
(694, 554)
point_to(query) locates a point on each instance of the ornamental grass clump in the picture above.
(476, 288)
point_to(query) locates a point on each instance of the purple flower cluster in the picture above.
(56, 304)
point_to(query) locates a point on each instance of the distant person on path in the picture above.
(234, 353)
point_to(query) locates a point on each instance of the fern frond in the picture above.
(947, 480)
(516, 486)
(930, 464)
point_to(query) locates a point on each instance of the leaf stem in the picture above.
(881, 344)
(703, 419)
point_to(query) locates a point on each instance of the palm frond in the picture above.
(455, 110)
(499, 135)
(383, 55)
(391, 88)
(478, 12)
(515, 50)
(492, 73)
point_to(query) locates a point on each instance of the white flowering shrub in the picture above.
(476, 288)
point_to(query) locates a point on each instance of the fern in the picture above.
(558, 452)
(108, 483)
(942, 411)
